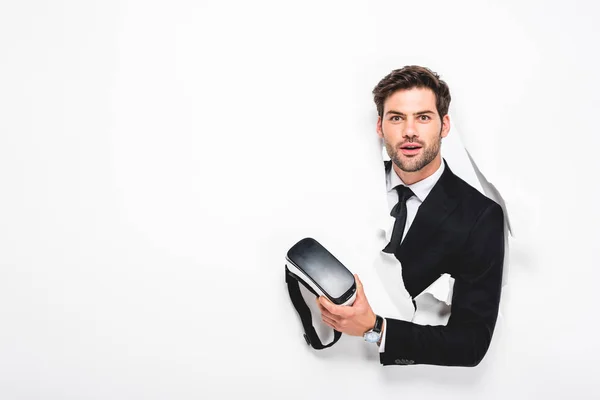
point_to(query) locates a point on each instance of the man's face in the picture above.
(412, 129)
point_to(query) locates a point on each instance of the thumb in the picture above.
(360, 293)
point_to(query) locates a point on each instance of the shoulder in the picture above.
(470, 199)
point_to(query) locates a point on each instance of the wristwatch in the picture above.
(373, 335)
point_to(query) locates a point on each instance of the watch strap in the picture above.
(378, 324)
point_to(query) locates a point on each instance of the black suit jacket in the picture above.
(458, 231)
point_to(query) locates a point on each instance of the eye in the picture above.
(395, 118)
(424, 117)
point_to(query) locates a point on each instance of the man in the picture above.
(442, 226)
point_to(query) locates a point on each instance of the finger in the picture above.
(325, 311)
(358, 282)
(329, 315)
(329, 322)
(359, 285)
(360, 292)
(329, 325)
(359, 289)
(321, 307)
(329, 306)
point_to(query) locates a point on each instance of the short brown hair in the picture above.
(409, 77)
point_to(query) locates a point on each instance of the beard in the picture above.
(414, 164)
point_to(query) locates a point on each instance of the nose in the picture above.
(410, 128)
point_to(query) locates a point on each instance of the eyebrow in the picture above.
(415, 114)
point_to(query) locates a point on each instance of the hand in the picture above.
(352, 320)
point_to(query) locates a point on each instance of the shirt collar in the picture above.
(422, 188)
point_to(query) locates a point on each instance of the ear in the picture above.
(445, 125)
(379, 130)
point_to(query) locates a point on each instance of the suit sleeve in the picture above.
(465, 339)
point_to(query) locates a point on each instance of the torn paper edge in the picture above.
(493, 193)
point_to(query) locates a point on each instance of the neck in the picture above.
(413, 177)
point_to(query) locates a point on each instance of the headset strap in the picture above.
(310, 335)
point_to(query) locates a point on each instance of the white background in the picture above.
(157, 159)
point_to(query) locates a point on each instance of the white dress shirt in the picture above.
(434, 299)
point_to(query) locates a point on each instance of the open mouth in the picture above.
(410, 149)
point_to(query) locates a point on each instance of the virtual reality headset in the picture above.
(311, 264)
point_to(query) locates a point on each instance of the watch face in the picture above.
(372, 337)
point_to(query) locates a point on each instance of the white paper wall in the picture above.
(157, 159)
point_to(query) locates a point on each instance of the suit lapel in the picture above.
(438, 205)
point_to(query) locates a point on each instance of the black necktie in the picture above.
(399, 212)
